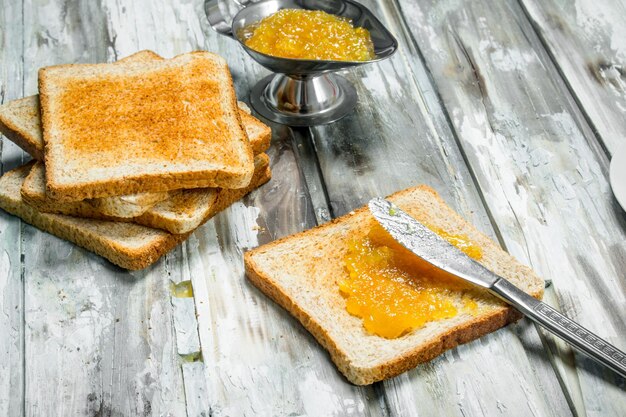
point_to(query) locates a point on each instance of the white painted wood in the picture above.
(168, 28)
(281, 216)
(186, 326)
(11, 287)
(399, 137)
(196, 393)
(104, 336)
(252, 370)
(542, 173)
(256, 359)
(587, 40)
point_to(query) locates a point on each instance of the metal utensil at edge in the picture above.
(435, 250)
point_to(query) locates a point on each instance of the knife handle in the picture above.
(566, 329)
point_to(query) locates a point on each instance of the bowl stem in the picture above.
(303, 100)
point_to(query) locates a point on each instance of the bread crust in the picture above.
(151, 217)
(145, 183)
(469, 330)
(12, 132)
(114, 251)
(223, 199)
(81, 232)
(259, 134)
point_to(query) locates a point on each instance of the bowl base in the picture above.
(305, 100)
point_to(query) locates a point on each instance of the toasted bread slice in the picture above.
(128, 245)
(124, 128)
(134, 205)
(301, 273)
(259, 134)
(20, 120)
(189, 209)
(183, 212)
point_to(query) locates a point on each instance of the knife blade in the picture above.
(435, 250)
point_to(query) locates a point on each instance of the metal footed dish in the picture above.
(304, 92)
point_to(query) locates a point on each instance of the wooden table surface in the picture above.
(510, 109)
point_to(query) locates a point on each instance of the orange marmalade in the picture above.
(309, 34)
(394, 291)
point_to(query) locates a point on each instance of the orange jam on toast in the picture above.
(394, 291)
(309, 34)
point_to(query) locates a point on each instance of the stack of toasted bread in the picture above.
(131, 157)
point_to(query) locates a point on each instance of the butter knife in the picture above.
(437, 251)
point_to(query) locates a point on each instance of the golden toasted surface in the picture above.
(178, 117)
(113, 129)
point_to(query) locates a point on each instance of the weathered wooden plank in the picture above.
(234, 355)
(259, 360)
(305, 151)
(104, 336)
(251, 370)
(587, 41)
(196, 393)
(11, 286)
(399, 136)
(188, 346)
(163, 27)
(541, 171)
(243, 368)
